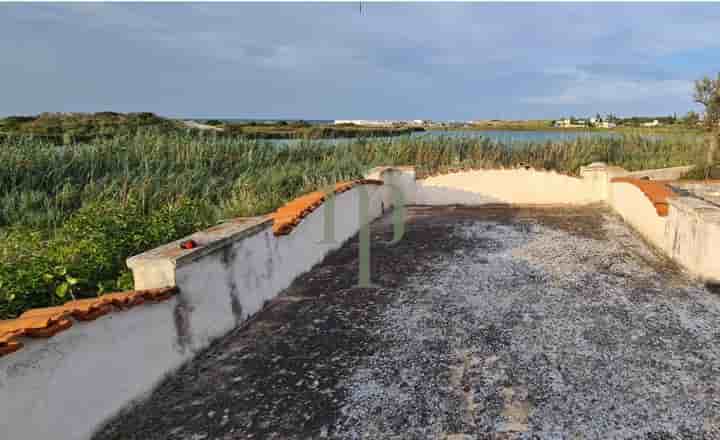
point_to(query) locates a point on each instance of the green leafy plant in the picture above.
(60, 282)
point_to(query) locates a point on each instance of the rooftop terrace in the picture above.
(519, 303)
(488, 322)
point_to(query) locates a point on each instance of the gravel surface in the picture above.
(486, 323)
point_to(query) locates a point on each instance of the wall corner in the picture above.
(599, 175)
(398, 181)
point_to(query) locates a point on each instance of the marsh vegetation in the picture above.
(70, 215)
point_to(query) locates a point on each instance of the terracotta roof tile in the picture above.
(289, 215)
(48, 321)
(657, 191)
(10, 347)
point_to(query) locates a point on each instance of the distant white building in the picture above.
(654, 123)
(363, 122)
(606, 124)
(382, 123)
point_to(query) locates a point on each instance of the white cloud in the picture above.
(603, 91)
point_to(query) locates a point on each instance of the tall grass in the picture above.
(76, 212)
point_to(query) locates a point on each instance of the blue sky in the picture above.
(328, 61)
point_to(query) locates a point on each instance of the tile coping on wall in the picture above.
(657, 191)
(48, 321)
(289, 215)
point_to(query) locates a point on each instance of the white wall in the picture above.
(228, 285)
(637, 210)
(400, 180)
(518, 186)
(689, 234)
(63, 387)
(692, 236)
(67, 386)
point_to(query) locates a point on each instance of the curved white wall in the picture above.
(635, 208)
(516, 186)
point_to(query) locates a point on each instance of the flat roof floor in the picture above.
(489, 322)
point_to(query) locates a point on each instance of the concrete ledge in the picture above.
(673, 173)
(157, 267)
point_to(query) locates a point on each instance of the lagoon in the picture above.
(506, 137)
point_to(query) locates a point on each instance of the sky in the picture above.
(456, 61)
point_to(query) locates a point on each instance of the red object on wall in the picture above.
(189, 244)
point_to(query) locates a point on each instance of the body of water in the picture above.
(264, 121)
(511, 136)
(500, 136)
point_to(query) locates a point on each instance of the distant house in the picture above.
(654, 123)
(364, 122)
(381, 123)
(562, 123)
(606, 124)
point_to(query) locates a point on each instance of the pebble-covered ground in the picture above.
(485, 323)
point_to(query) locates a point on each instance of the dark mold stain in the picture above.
(228, 259)
(235, 305)
(713, 287)
(181, 318)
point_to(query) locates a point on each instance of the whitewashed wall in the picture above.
(514, 186)
(637, 210)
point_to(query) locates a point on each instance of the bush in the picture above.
(87, 255)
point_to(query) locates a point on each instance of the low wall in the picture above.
(519, 186)
(673, 173)
(686, 229)
(638, 210)
(65, 387)
(692, 236)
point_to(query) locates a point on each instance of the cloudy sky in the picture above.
(329, 61)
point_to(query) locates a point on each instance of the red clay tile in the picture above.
(289, 215)
(657, 191)
(48, 321)
(10, 347)
(50, 330)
